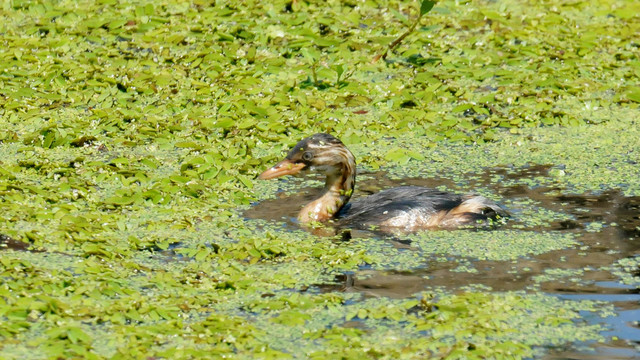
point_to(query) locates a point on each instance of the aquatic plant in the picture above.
(132, 132)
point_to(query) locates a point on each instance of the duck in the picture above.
(400, 209)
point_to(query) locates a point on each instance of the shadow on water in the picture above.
(618, 237)
(8, 243)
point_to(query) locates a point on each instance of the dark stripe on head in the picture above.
(313, 142)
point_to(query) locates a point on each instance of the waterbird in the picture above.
(403, 209)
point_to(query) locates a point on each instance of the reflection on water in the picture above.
(601, 246)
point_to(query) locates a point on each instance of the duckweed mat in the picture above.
(132, 132)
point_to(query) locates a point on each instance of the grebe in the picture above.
(404, 208)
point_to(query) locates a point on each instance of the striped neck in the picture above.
(339, 185)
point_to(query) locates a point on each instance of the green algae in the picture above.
(570, 275)
(528, 214)
(593, 159)
(491, 245)
(132, 132)
(460, 326)
(497, 245)
(627, 270)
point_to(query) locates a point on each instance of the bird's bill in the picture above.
(284, 167)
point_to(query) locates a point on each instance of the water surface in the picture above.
(606, 225)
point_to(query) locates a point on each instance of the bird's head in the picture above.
(321, 153)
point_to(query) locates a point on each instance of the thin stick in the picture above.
(425, 7)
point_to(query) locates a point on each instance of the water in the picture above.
(606, 224)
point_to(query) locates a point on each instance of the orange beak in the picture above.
(284, 167)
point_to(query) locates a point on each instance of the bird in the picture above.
(401, 209)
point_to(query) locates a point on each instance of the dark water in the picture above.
(619, 238)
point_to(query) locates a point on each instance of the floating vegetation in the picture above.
(491, 245)
(628, 270)
(132, 132)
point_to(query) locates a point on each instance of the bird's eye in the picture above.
(307, 156)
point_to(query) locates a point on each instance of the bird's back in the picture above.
(410, 208)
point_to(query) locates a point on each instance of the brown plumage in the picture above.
(405, 208)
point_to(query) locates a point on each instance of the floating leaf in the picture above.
(426, 6)
(633, 94)
(397, 155)
(119, 200)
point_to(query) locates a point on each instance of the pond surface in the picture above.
(606, 226)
